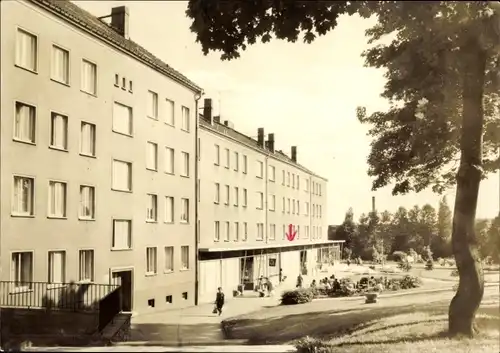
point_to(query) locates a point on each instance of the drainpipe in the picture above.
(197, 97)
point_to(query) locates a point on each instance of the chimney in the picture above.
(270, 142)
(217, 119)
(119, 20)
(294, 154)
(260, 137)
(207, 110)
(373, 204)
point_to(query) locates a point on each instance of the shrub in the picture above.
(297, 296)
(450, 262)
(454, 273)
(408, 282)
(311, 345)
(399, 256)
(405, 266)
(441, 261)
(429, 265)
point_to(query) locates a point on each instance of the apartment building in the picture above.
(259, 210)
(98, 145)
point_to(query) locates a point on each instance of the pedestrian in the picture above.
(281, 275)
(219, 301)
(270, 287)
(299, 281)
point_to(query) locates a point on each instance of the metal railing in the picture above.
(73, 296)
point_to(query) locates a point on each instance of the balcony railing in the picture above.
(72, 296)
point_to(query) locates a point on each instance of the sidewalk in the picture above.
(235, 349)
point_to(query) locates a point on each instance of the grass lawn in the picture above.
(412, 323)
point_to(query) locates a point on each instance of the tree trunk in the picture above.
(465, 303)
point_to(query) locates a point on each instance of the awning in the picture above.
(270, 246)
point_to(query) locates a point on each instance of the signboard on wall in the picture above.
(272, 262)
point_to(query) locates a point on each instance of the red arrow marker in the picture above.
(291, 233)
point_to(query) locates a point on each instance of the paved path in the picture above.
(235, 349)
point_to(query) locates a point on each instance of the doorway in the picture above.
(246, 273)
(303, 262)
(124, 279)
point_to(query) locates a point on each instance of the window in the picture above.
(226, 202)
(169, 160)
(184, 210)
(236, 161)
(260, 200)
(245, 164)
(117, 80)
(26, 50)
(236, 198)
(152, 156)
(169, 259)
(228, 160)
(185, 119)
(288, 206)
(272, 173)
(272, 202)
(168, 299)
(272, 232)
(284, 204)
(307, 185)
(283, 178)
(298, 207)
(307, 209)
(169, 112)
(122, 176)
(293, 181)
(217, 193)
(216, 231)
(227, 231)
(57, 266)
(185, 164)
(22, 198)
(319, 187)
(130, 86)
(89, 77)
(288, 179)
(217, 155)
(293, 206)
(60, 65)
(59, 131)
(260, 231)
(122, 119)
(184, 257)
(86, 269)
(245, 198)
(57, 199)
(260, 169)
(22, 270)
(245, 231)
(25, 124)
(298, 182)
(152, 105)
(124, 83)
(313, 211)
(169, 209)
(151, 261)
(152, 209)
(87, 139)
(307, 231)
(122, 234)
(87, 202)
(236, 231)
(284, 231)
(185, 295)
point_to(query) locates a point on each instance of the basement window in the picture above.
(185, 295)
(151, 303)
(124, 83)
(168, 299)
(130, 86)
(117, 80)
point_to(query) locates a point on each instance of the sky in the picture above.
(306, 94)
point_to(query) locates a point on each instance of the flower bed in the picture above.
(348, 288)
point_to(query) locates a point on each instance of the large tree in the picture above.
(442, 84)
(347, 230)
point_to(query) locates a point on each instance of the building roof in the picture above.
(94, 26)
(247, 140)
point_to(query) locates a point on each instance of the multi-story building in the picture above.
(98, 145)
(259, 210)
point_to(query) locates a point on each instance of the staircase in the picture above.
(117, 330)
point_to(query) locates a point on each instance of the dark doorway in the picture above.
(123, 278)
(246, 273)
(303, 262)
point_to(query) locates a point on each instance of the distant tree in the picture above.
(347, 230)
(494, 240)
(482, 235)
(402, 230)
(386, 232)
(428, 222)
(442, 86)
(441, 244)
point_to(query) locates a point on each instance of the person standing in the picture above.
(299, 281)
(219, 301)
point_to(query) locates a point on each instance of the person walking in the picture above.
(219, 301)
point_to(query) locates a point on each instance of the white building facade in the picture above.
(258, 210)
